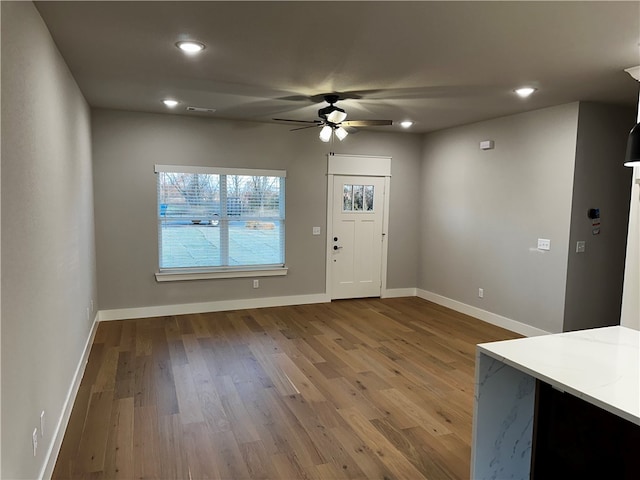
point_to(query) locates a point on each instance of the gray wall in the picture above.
(460, 218)
(483, 211)
(594, 278)
(48, 261)
(126, 146)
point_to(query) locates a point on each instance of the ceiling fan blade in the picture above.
(366, 123)
(315, 122)
(302, 128)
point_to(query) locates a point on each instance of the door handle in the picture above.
(336, 247)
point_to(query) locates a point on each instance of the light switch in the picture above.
(316, 230)
(544, 244)
(580, 246)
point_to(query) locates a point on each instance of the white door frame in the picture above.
(361, 166)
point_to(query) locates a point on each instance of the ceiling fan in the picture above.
(333, 119)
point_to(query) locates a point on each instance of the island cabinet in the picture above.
(558, 406)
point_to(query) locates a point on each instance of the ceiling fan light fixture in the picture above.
(190, 47)
(325, 133)
(632, 159)
(341, 133)
(337, 116)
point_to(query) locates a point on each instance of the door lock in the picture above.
(336, 247)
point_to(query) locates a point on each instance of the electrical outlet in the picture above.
(256, 283)
(316, 231)
(34, 440)
(481, 293)
(42, 424)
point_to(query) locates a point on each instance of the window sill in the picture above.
(254, 272)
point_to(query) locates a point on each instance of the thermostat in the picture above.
(593, 213)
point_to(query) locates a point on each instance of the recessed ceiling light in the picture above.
(170, 103)
(406, 124)
(190, 46)
(524, 92)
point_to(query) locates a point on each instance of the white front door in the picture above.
(355, 245)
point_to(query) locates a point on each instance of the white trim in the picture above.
(178, 276)
(204, 307)
(329, 229)
(485, 316)
(219, 170)
(359, 165)
(399, 292)
(58, 434)
(225, 305)
(385, 233)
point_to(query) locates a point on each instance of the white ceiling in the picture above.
(439, 64)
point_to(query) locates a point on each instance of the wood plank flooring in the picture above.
(353, 389)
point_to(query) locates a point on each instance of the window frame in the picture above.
(212, 272)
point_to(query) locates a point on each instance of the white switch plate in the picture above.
(580, 246)
(316, 230)
(256, 283)
(481, 293)
(544, 244)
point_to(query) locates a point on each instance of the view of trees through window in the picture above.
(218, 220)
(356, 198)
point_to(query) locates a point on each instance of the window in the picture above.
(357, 198)
(220, 220)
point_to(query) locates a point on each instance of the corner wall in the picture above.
(483, 211)
(630, 315)
(47, 256)
(595, 277)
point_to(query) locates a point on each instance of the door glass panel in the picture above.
(347, 198)
(357, 198)
(368, 198)
(358, 193)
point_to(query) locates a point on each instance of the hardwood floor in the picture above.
(354, 389)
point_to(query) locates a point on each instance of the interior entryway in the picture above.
(356, 243)
(357, 222)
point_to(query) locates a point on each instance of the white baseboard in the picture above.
(63, 421)
(492, 318)
(399, 292)
(226, 305)
(216, 306)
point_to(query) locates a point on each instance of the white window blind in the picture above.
(212, 219)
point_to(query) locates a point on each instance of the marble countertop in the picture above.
(601, 365)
